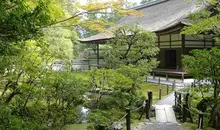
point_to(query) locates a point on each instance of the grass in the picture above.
(145, 87)
(155, 90)
(81, 75)
(76, 127)
(192, 126)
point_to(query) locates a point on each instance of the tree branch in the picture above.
(76, 15)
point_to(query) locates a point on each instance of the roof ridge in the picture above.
(148, 4)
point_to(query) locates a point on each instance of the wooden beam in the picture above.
(183, 44)
(167, 77)
(170, 40)
(158, 37)
(182, 77)
(183, 48)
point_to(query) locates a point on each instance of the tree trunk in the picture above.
(213, 121)
(215, 89)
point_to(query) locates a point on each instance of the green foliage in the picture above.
(63, 95)
(10, 121)
(205, 22)
(61, 42)
(128, 57)
(49, 105)
(132, 46)
(104, 117)
(76, 127)
(113, 91)
(35, 94)
(21, 19)
(204, 64)
(201, 100)
(193, 126)
(145, 87)
(107, 18)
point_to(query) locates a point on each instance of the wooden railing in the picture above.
(146, 108)
(186, 112)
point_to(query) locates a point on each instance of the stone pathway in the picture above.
(165, 113)
(168, 100)
(154, 125)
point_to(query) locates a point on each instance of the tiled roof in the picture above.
(158, 16)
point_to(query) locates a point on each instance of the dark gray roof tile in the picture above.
(158, 16)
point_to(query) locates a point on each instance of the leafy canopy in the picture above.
(204, 64)
(129, 56)
(132, 46)
(205, 22)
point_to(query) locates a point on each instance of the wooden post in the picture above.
(158, 81)
(149, 104)
(146, 78)
(179, 103)
(194, 83)
(187, 106)
(147, 109)
(167, 89)
(101, 127)
(184, 113)
(153, 75)
(150, 98)
(167, 77)
(128, 121)
(160, 93)
(200, 121)
(182, 77)
(174, 84)
(179, 99)
(187, 99)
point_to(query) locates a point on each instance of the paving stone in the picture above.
(158, 126)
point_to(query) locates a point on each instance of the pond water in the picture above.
(84, 114)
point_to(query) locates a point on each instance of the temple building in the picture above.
(166, 18)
